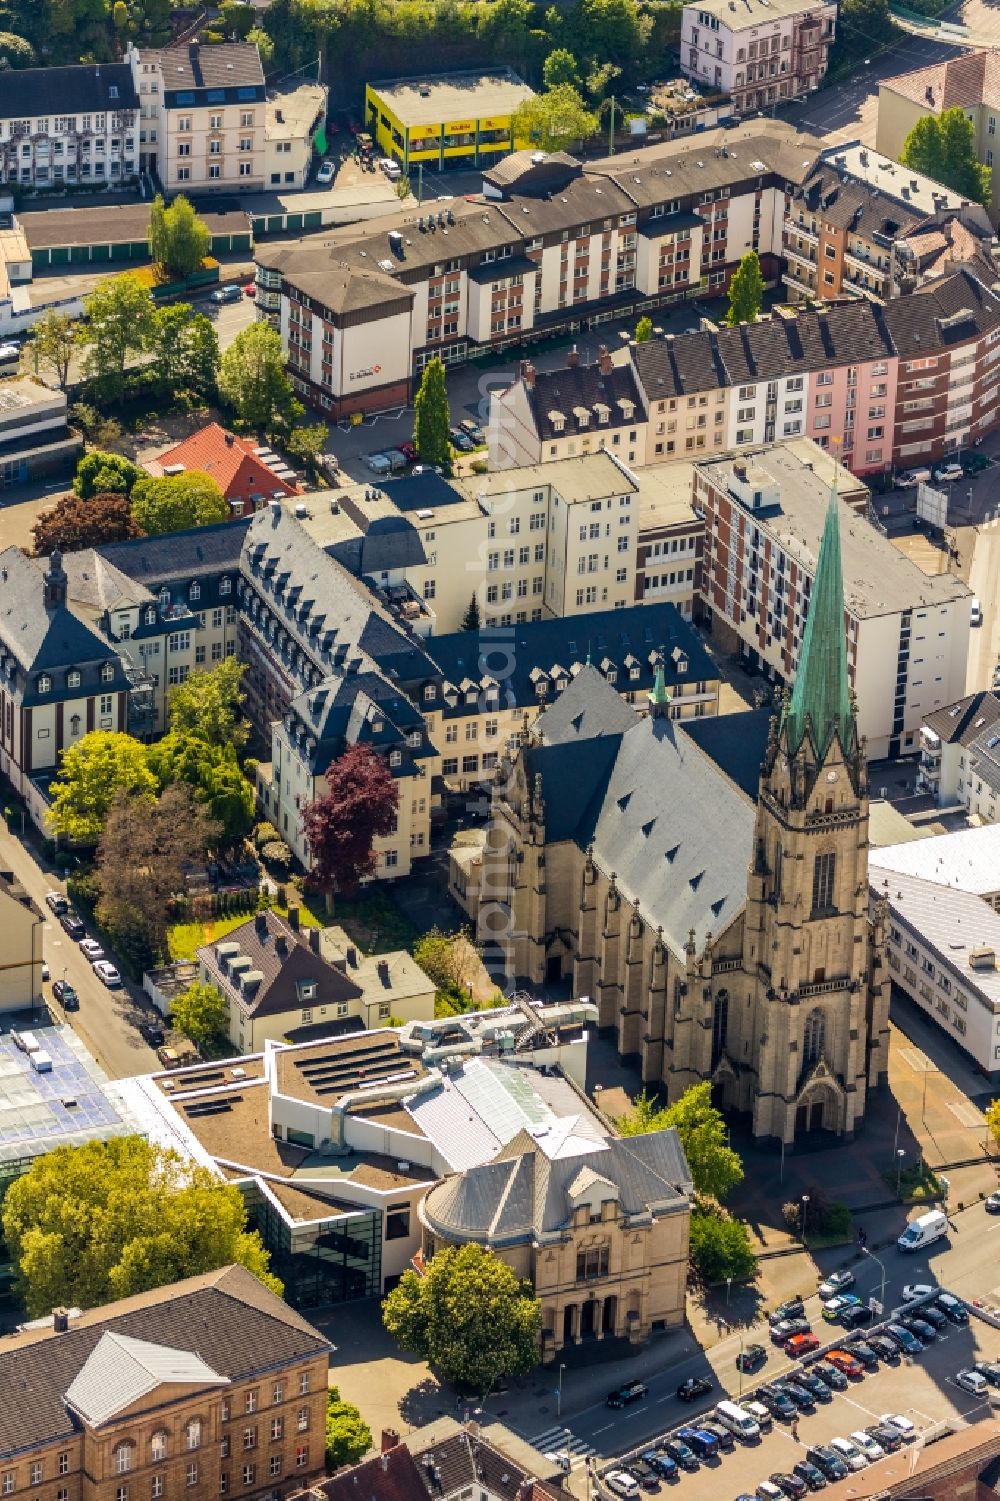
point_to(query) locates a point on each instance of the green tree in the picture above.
(721, 1249)
(307, 443)
(15, 51)
(470, 1317)
(644, 330)
(746, 291)
(86, 1225)
(177, 502)
(119, 326)
(992, 1117)
(185, 351)
(348, 1436)
(201, 1013)
(54, 340)
(104, 473)
(472, 619)
(91, 773)
(432, 417)
(208, 706)
(183, 238)
(863, 26)
(715, 1168)
(943, 147)
(259, 38)
(560, 67)
(253, 382)
(555, 120)
(213, 774)
(157, 230)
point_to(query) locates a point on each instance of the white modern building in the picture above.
(757, 51)
(943, 929)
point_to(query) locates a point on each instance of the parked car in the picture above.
(325, 172)
(862, 1352)
(56, 902)
(72, 923)
(801, 1344)
(778, 1403)
(889, 1438)
(107, 973)
(408, 450)
(694, 1386)
(833, 1308)
(807, 1471)
(837, 1282)
(632, 1391)
(622, 1483)
(931, 1314)
(974, 462)
(461, 440)
(905, 1338)
(152, 1033)
(914, 1290)
(722, 1436)
(792, 1308)
(768, 1491)
(664, 1466)
(868, 1446)
(680, 1453)
(844, 1362)
(946, 474)
(800, 1395)
(973, 1382)
(644, 1473)
(250, 289)
(814, 1384)
(885, 1348)
(700, 1440)
(10, 351)
(793, 1486)
(786, 1328)
(847, 1451)
(91, 949)
(830, 1376)
(991, 1204)
(858, 1317)
(391, 169)
(472, 430)
(825, 1459)
(990, 1369)
(230, 293)
(902, 1425)
(65, 995)
(953, 1308)
(750, 1358)
(760, 1414)
(924, 1331)
(909, 479)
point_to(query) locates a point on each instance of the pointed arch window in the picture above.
(777, 870)
(814, 1038)
(824, 872)
(720, 1025)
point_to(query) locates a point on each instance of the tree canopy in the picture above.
(943, 147)
(469, 1316)
(555, 120)
(103, 473)
(185, 352)
(341, 826)
(253, 382)
(86, 1225)
(213, 774)
(120, 322)
(92, 772)
(208, 705)
(201, 1013)
(54, 339)
(179, 240)
(644, 329)
(431, 416)
(73, 523)
(177, 502)
(348, 1436)
(746, 290)
(715, 1168)
(720, 1248)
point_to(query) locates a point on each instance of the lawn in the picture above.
(185, 938)
(372, 921)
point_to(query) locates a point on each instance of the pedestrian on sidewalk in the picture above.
(793, 1428)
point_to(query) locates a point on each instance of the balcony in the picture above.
(792, 226)
(797, 255)
(798, 283)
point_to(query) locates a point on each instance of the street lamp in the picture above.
(900, 1154)
(729, 1283)
(881, 1297)
(805, 1214)
(559, 1393)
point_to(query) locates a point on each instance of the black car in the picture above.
(919, 1326)
(750, 1358)
(834, 1379)
(990, 1369)
(793, 1486)
(73, 924)
(785, 1328)
(778, 1403)
(793, 1308)
(722, 1436)
(933, 1315)
(800, 1395)
(632, 1391)
(858, 1317)
(953, 1308)
(694, 1386)
(679, 1452)
(884, 1348)
(65, 995)
(807, 1471)
(863, 1353)
(152, 1033)
(644, 1473)
(812, 1383)
(824, 1458)
(664, 1466)
(904, 1338)
(889, 1438)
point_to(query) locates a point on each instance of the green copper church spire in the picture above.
(659, 695)
(821, 693)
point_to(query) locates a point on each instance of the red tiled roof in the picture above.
(231, 462)
(973, 78)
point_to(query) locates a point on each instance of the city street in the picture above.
(107, 1019)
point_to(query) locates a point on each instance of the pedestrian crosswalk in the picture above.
(559, 1440)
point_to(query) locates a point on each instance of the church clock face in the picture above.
(831, 776)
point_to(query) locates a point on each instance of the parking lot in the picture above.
(921, 1388)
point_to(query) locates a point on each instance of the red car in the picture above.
(845, 1363)
(250, 290)
(409, 451)
(801, 1344)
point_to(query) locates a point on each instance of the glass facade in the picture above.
(333, 1261)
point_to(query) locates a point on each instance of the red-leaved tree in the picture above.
(74, 523)
(341, 826)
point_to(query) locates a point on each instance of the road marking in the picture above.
(966, 1113)
(916, 1060)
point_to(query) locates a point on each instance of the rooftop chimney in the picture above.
(60, 1320)
(230, 440)
(293, 918)
(314, 940)
(572, 358)
(390, 1438)
(528, 374)
(604, 360)
(260, 923)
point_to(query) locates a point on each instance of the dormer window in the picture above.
(306, 990)
(430, 693)
(195, 591)
(376, 726)
(542, 687)
(164, 599)
(414, 740)
(612, 674)
(150, 614)
(107, 672)
(44, 683)
(633, 673)
(73, 678)
(225, 586)
(395, 758)
(471, 696)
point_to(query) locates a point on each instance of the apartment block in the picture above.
(907, 633)
(969, 82)
(558, 414)
(953, 743)
(759, 52)
(204, 116)
(74, 124)
(550, 243)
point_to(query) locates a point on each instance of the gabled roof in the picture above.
(180, 555)
(962, 722)
(276, 990)
(42, 639)
(228, 458)
(121, 1370)
(964, 81)
(83, 89)
(192, 66)
(589, 708)
(96, 582)
(578, 394)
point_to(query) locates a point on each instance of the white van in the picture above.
(975, 612)
(760, 1415)
(924, 1231)
(738, 1421)
(622, 1484)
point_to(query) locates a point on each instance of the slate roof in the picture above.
(963, 721)
(224, 66)
(735, 742)
(180, 555)
(96, 582)
(384, 542)
(584, 387)
(523, 165)
(949, 311)
(589, 708)
(43, 639)
(31, 92)
(984, 758)
(855, 206)
(343, 711)
(277, 991)
(121, 1371)
(226, 1317)
(437, 1466)
(524, 1197)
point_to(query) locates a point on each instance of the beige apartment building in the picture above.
(203, 116)
(600, 1229)
(20, 948)
(560, 414)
